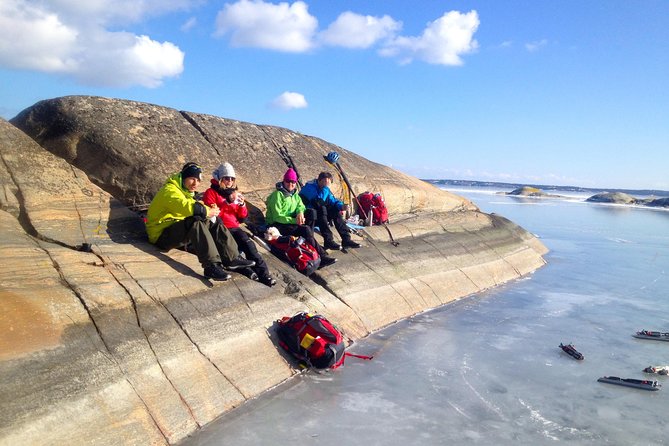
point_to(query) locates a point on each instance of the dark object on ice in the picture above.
(571, 351)
(655, 335)
(629, 382)
(659, 369)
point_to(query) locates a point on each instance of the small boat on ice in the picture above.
(659, 369)
(571, 351)
(630, 382)
(655, 335)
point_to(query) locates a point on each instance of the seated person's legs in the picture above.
(247, 246)
(322, 221)
(343, 230)
(194, 231)
(227, 247)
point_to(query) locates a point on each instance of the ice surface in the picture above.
(488, 370)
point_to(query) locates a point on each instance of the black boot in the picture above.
(326, 261)
(240, 262)
(331, 244)
(215, 271)
(348, 243)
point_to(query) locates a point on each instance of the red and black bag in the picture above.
(297, 252)
(313, 340)
(374, 204)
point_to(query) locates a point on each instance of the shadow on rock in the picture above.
(125, 226)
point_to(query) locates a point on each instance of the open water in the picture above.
(487, 369)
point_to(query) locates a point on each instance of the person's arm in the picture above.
(209, 197)
(331, 200)
(178, 203)
(242, 211)
(299, 205)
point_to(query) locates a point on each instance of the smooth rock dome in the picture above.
(105, 339)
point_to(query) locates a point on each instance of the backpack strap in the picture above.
(343, 359)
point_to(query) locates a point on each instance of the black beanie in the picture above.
(191, 170)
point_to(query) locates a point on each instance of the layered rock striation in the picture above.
(104, 339)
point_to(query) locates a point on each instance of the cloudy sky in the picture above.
(550, 92)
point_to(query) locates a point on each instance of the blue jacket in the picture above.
(313, 196)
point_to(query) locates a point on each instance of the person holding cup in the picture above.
(224, 194)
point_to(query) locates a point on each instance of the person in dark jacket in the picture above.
(175, 218)
(285, 211)
(316, 195)
(223, 193)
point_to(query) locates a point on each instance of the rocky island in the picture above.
(107, 340)
(623, 198)
(602, 197)
(529, 191)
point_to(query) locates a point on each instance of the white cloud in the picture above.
(442, 42)
(62, 41)
(105, 12)
(289, 100)
(290, 28)
(535, 46)
(352, 30)
(189, 24)
(281, 27)
(34, 39)
(138, 60)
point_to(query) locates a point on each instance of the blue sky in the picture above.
(566, 92)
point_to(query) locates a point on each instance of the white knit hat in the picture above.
(224, 170)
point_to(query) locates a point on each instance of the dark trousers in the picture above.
(212, 242)
(323, 215)
(246, 245)
(300, 231)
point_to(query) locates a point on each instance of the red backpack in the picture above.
(373, 203)
(297, 252)
(313, 340)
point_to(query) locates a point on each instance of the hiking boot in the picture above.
(240, 262)
(268, 280)
(216, 272)
(331, 244)
(326, 261)
(350, 244)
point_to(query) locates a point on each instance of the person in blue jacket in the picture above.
(316, 195)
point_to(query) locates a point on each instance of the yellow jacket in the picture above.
(172, 203)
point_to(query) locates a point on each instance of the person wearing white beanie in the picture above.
(224, 194)
(225, 170)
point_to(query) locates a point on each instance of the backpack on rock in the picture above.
(372, 205)
(297, 252)
(313, 340)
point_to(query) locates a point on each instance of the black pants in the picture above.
(246, 245)
(300, 231)
(323, 215)
(213, 242)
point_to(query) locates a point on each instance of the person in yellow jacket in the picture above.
(175, 218)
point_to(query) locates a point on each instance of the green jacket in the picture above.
(172, 203)
(283, 206)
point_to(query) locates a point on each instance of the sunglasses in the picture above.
(228, 178)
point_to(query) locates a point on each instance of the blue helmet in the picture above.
(333, 157)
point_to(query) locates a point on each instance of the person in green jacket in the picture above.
(176, 218)
(285, 211)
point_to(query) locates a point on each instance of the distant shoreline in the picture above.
(650, 192)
